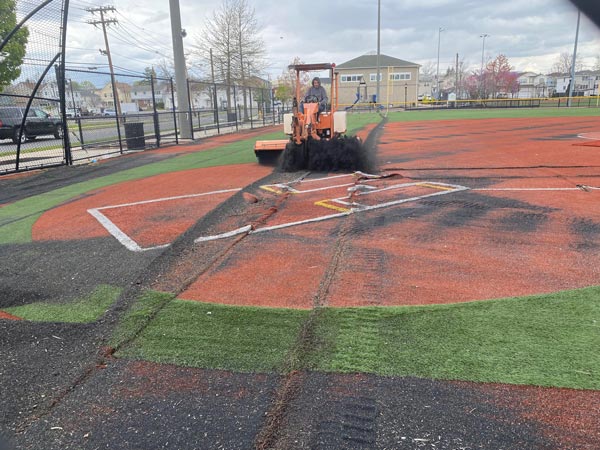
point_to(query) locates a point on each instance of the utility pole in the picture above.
(104, 22)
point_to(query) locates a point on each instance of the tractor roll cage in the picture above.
(333, 95)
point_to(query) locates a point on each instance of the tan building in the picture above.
(398, 84)
(106, 94)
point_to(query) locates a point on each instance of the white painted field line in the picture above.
(532, 189)
(118, 234)
(583, 136)
(231, 233)
(360, 208)
(123, 238)
(166, 199)
(288, 186)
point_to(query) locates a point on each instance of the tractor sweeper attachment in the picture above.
(317, 138)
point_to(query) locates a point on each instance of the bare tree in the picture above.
(286, 82)
(427, 71)
(232, 34)
(564, 62)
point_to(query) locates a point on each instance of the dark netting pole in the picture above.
(61, 88)
(174, 110)
(155, 113)
(28, 106)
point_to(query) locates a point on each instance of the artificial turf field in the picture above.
(526, 229)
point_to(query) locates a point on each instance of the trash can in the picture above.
(231, 117)
(134, 135)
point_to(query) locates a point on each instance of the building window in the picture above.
(373, 76)
(351, 78)
(404, 76)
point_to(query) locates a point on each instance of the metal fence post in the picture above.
(272, 104)
(191, 108)
(235, 108)
(174, 111)
(155, 114)
(216, 108)
(250, 98)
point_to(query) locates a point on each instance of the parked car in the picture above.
(38, 123)
(109, 113)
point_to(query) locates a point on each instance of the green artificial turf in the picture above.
(84, 310)
(547, 340)
(213, 336)
(355, 122)
(138, 317)
(501, 113)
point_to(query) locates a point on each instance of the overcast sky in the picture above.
(531, 33)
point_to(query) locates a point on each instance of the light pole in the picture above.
(572, 83)
(378, 49)
(183, 104)
(437, 77)
(482, 56)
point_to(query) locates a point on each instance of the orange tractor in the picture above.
(317, 139)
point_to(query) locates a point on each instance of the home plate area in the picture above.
(310, 201)
(320, 199)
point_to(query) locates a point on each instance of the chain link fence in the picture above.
(31, 58)
(53, 115)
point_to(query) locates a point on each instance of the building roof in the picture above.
(370, 61)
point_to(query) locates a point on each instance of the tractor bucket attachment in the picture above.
(268, 152)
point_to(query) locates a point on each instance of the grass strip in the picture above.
(213, 336)
(545, 340)
(357, 121)
(462, 114)
(139, 315)
(84, 310)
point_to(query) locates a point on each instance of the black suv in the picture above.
(38, 123)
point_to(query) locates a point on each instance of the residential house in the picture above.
(532, 85)
(586, 83)
(398, 81)
(141, 95)
(107, 98)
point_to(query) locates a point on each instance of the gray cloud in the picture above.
(531, 34)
